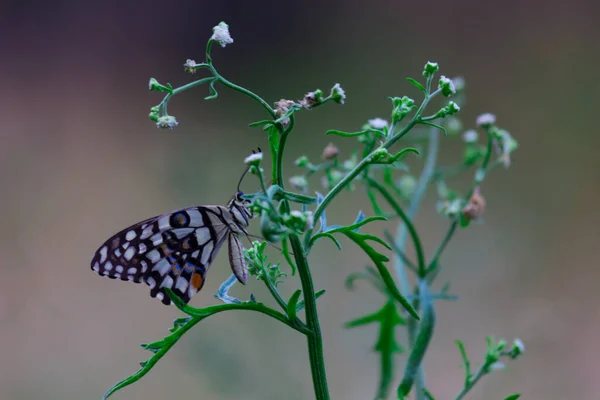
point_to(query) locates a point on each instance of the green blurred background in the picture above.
(79, 160)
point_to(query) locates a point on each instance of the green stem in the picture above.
(282, 142)
(313, 336)
(183, 88)
(421, 343)
(273, 290)
(387, 367)
(341, 185)
(242, 90)
(476, 182)
(440, 250)
(472, 382)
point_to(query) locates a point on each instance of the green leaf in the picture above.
(154, 347)
(300, 305)
(291, 196)
(273, 135)
(160, 348)
(376, 209)
(286, 254)
(512, 396)
(372, 277)
(465, 360)
(292, 303)
(435, 126)
(428, 395)
(379, 259)
(417, 85)
(366, 320)
(388, 318)
(330, 236)
(354, 134)
(261, 123)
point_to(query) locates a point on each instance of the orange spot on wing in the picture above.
(197, 281)
(175, 269)
(165, 250)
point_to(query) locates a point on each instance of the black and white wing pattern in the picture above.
(173, 250)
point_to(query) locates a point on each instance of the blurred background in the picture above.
(79, 160)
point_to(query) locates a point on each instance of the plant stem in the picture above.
(313, 336)
(478, 375)
(419, 348)
(279, 161)
(424, 179)
(242, 90)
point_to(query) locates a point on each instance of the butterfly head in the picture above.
(240, 210)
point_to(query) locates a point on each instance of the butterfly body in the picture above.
(175, 250)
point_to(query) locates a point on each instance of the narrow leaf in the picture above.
(300, 305)
(513, 397)
(261, 123)
(435, 126)
(383, 271)
(366, 320)
(353, 134)
(291, 305)
(465, 360)
(286, 255)
(299, 198)
(417, 85)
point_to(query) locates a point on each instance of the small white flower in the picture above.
(338, 94)
(447, 86)
(254, 159)
(459, 83)
(167, 122)
(518, 344)
(497, 366)
(470, 136)
(304, 219)
(486, 120)
(190, 66)
(378, 123)
(297, 214)
(221, 34)
(299, 182)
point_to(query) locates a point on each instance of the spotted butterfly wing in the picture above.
(175, 250)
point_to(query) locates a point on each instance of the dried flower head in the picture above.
(282, 107)
(312, 99)
(330, 152)
(475, 207)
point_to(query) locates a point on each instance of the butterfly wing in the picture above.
(173, 250)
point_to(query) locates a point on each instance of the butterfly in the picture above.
(175, 250)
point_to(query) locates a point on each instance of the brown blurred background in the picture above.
(79, 160)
